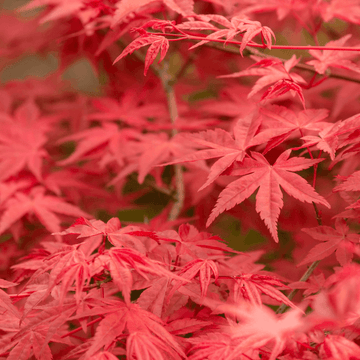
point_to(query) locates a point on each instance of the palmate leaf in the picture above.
(6, 304)
(205, 269)
(157, 44)
(263, 327)
(338, 347)
(152, 299)
(31, 128)
(36, 332)
(223, 145)
(333, 58)
(237, 25)
(258, 326)
(280, 120)
(335, 136)
(131, 319)
(143, 345)
(69, 270)
(268, 179)
(123, 261)
(251, 286)
(126, 7)
(43, 206)
(189, 241)
(132, 109)
(272, 72)
(91, 139)
(281, 87)
(352, 183)
(337, 240)
(118, 235)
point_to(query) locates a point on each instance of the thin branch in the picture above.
(216, 44)
(304, 278)
(318, 215)
(167, 81)
(255, 45)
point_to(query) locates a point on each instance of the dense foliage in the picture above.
(207, 120)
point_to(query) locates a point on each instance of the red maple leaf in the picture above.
(225, 146)
(268, 179)
(43, 206)
(143, 345)
(336, 306)
(347, 10)
(281, 87)
(237, 25)
(251, 286)
(94, 139)
(121, 320)
(123, 261)
(16, 155)
(153, 298)
(64, 8)
(281, 122)
(351, 183)
(262, 327)
(204, 268)
(271, 71)
(126, 7)
(336, 240)
(333, 58)
(312, 286)
(338, 347)
(189, 241)
(34, 334)
(151, 151)
(67, 266)
(335, 136)
(157, 44)
(129, 109)
(258, 326)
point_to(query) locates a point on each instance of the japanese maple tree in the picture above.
(202, 201)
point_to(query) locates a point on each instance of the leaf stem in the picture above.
(318, 215)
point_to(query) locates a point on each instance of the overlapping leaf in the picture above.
(42, 205)
(333, 58)
(268, 179)
(237, 25)
(225, 146)
(157, 44)
(336, 240)
(272, 71)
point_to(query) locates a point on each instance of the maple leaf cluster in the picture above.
(208, 159)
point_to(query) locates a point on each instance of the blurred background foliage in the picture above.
(82, 77)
